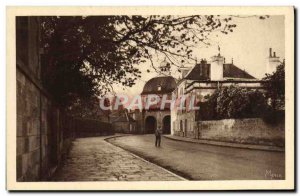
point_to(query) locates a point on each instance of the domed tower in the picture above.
(154, 116)
(159, 85)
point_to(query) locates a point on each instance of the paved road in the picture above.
(207, 162)
(94, 159)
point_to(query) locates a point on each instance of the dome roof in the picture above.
(160, 85)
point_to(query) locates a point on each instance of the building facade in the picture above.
(147, 120)
(202, 80)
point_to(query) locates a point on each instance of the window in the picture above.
(159, 87)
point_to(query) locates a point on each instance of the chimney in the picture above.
(272, 62)
(216, 68)
(203, 61)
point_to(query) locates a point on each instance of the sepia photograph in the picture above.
(150, 98)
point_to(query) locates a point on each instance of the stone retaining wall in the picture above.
(248, 131)
(43, 131)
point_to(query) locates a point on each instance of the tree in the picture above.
(85, 55)
(275, 87)
(235, 102)
(89, 109)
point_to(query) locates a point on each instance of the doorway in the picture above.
(150, 124)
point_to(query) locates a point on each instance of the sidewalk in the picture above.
(94, 159)
(227, 144)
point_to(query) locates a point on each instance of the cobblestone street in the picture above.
(94, 159)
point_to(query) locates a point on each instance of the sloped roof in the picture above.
(122, 116)
(202, 72)
(167, 84)
(120, 119)
(231, 71)
(199, 72)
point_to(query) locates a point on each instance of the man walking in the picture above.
(158, 133)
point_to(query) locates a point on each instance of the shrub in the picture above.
(233, 102)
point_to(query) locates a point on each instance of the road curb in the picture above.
(141, 158)
(227, 144)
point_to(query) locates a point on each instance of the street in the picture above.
(100, 159)
(206, 162)
(94, 159)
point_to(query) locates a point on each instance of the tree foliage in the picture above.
(85, 56)
(89, 109)
(235, 102)
(275, 86)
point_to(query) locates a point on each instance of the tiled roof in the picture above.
(202, 72)
(231, 71)
(199, 72)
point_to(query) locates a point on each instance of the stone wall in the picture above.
(183, 125)
(247, 131)
(251, 131)
(28, 129)
(43, 131)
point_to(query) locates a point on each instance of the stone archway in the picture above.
(150, 124)
(167, 124)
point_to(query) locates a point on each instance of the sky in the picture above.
(248, 45)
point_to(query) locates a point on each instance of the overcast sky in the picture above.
(248, 45)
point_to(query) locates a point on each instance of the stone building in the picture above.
(203, 79)
(147, 120)
(122, 122)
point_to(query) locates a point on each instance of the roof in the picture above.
(166, 83)
(120, 119)
(199, 72)
(202, 72)
(121, 116)
(231, 71)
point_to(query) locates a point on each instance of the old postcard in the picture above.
(150, 98)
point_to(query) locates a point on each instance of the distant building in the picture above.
(121, 120)
(148, 120)
(123, 123)
(202, 80)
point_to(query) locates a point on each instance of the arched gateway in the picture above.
(150, 124)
